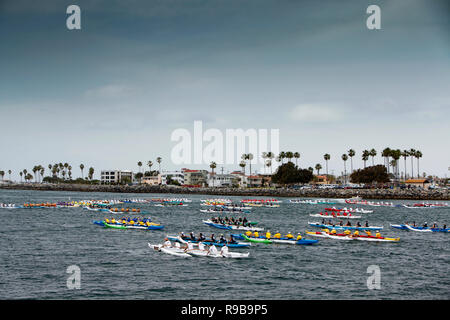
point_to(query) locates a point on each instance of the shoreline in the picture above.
(392, 194)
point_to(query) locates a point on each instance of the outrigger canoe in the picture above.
(419, 229)
(343, 236)
(320, 225)
(152, 226)
(230, 226)
(262, 239)
(172, 251)
(331, 216)
(209, 242)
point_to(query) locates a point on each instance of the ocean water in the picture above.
(38, 245)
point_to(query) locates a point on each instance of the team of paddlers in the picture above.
(231, 221)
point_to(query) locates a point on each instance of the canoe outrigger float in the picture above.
(262, 239)
(343, 236)
(323, 226)
(231, 226)
(419, 229)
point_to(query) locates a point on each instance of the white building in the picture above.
(222, 180)
(174, 176)
(115, 176)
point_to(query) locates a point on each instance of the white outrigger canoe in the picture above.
(169, 250)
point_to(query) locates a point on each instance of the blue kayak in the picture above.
(420, 229)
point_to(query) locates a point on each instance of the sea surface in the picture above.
(38, 245)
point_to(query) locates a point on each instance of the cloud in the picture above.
(316, 113)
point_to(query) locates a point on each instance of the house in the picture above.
(195, 177)
(151, 180)
(116, 176)
(167, 176)
(419, 183)
(222, 180)
(322, 179)
(254, 181)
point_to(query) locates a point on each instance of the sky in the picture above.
(111, 94)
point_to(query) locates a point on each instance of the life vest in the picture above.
(268, 235)
(299, 237)
(277, 235)
(248, 233)
(290, 236)
(256, 234)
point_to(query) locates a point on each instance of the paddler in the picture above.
(347, 232)
(378, 234)
(277, 235)
(167, 243)
(356, 233)
(248, 233)
(192, 236)
(201, 237)
(333, 231)
(212, 250)
(213, 239)
(222, 239)
(289, 235)
(224, 250)
(369, 234)
(268, 234)
(299, 236)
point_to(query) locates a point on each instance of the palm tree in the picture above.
(386, 154)
(264, 156)
(91, 173)
(282, 156)
(150, 164)
(289, 155)
(50, 167)
(21, 174)
(395, 155)
(365, 156)
(159, 159)
(351, 154)
(212, 165)
(418, 155)
(326, 157)
(405, 154)
(82, 168)
(242, 164)
(249, 157)
(318, 167)
(66, 166)
(296, 156)
(140, 165)
(412, 153)
(345, 158)
(373, 153)
(2, 173)
(269, 164)
(35, 168)
(9, 173)
(42, 172)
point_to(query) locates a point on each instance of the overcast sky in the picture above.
(112, 93)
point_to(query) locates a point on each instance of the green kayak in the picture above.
(256, 240)
(114, 226)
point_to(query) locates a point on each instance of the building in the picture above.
(116, 176)
(177, 176)
(152, 180)
(222, 180)
(418, 183)
(322, 179)
(195, 178)
(254, 181)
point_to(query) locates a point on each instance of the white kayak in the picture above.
(170, 250)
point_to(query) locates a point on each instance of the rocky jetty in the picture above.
(400, 194)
